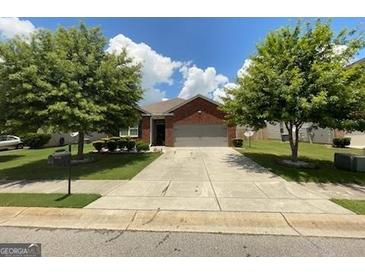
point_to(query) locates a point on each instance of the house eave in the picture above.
(157, 114)
(192, 99)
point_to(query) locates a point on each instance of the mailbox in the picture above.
(62, 158)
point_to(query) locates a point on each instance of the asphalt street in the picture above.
(72, 242)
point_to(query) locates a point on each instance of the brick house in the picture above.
(178, 122)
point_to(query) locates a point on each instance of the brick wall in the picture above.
(188, 114)
(198, 111)
(169, 131)
(145, 135)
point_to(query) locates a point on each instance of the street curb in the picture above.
(293, 224)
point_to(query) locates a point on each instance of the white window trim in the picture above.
(129, 132)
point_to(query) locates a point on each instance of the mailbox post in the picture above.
(62, 158)
(69, 171)
(248, 133)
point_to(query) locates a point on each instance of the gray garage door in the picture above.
(207, 135)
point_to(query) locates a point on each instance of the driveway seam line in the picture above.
(211, 184)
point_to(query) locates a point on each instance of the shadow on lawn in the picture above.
(63, 197)
(244, 163)
(325, 173)
(6, 158)
(41, 170)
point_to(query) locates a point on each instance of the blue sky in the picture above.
(190, 53)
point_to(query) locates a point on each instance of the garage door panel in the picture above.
(187, 142)
(186, 131)
(213, 142)
(200, 135)
(214, 131)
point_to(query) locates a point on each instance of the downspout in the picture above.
(151, 131)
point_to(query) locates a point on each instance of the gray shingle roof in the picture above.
(163, 106)
(358, 62)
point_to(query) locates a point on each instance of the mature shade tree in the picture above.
(66, 81)
(356, 119)
(2, 112)
(300, 74)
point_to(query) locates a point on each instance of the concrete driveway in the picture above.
(212, 179)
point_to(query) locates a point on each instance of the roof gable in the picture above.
(163, 106)
(141, 110)
(192, 99)
(358, 62)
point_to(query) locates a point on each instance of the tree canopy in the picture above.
(66, 81)
(300, 74)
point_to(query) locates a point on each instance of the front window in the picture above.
(123, 132)
(133, 131)
(130, 131)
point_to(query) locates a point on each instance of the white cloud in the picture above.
(199, 81)
(152, 95)
(339, 49)
(243, 70)
(220, 93)
(156, 68)
(12, 26)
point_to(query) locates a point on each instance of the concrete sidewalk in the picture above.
(337, 191)
(329, 225)
(102, 187)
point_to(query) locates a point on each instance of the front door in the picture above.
(160, 134)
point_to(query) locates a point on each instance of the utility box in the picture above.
(358, 163)
(343, 161)
(62, 158)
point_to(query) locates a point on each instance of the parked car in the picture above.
(10, 141)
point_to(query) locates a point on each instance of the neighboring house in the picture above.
(357, 138)
(306, 134)
(58, 139)
(179, 123)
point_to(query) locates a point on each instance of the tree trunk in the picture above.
(294, 150)
(293, 140)
(80, 147)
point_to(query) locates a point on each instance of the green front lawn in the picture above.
(268, 152)
(32, 164)
(357, 206)
(47, 200)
